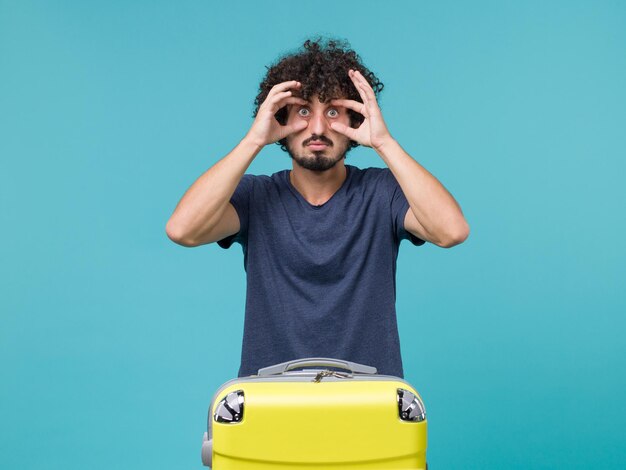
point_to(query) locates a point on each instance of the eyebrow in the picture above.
(327, 105)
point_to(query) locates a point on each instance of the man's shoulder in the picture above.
(266, 180)
(370, 171)
(368, 175)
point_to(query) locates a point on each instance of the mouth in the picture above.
(317, 146)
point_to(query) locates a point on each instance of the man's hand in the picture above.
(265, 128)
(372, 132)
(434, 215)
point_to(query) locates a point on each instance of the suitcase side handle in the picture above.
(317, 362)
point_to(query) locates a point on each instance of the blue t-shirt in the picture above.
(321, 280)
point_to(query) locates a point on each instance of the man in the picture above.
(320, 241)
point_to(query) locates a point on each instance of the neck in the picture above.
(317, 187)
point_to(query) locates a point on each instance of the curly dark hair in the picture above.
(321, 65)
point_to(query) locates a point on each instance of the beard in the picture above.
(320, 160)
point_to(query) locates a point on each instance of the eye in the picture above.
(304, 112)
(333, 113)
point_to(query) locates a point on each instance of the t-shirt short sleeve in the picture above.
(241, 202)
(399, 208)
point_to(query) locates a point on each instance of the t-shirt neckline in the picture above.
(326, 204)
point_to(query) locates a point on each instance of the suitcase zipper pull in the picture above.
(330, 373)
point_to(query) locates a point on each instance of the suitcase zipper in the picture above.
(330, 373)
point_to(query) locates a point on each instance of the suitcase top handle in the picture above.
(317, 362)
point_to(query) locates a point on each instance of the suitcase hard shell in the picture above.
(316, 418)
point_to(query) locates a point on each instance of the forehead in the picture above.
(314, 101)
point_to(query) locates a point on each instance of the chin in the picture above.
(317, 160)
(316, 164)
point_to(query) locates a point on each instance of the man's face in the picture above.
(317, 147)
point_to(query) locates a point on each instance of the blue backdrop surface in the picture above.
(113, 339)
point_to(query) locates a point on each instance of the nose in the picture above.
(317, 124)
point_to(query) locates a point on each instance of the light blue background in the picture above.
(113, 339)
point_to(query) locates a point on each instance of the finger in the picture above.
(369, 98)
(279, 96)
(367, 88)
(369, 92)
(291, 128)
(343, 129)
(360, 77)
(287, 101)
(350, 104)
(281, 99)
(272, 100)
(363, 93)
(280, 87)
(358, 86)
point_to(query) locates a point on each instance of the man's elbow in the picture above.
(178, 236)
(456, 236)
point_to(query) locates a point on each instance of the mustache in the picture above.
(318, 138)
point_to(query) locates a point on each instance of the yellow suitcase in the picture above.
(316, 413)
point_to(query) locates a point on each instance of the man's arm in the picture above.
(204, 214)
(434, 215)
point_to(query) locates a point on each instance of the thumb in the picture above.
(295, 127)
(345, 130)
